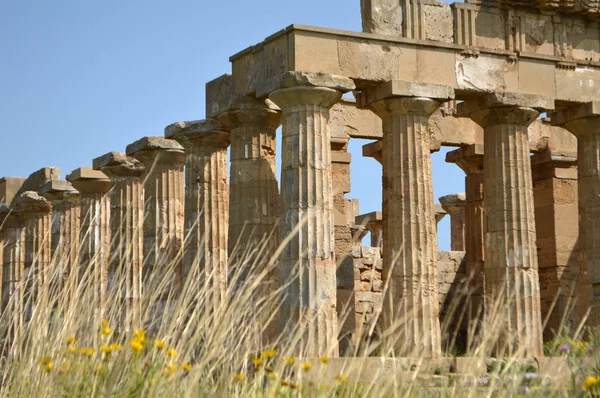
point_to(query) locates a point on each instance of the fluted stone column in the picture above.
(127, 231)
(411, 305)
(307, 205)
(254, 195)
(511, 265)
(95, 234)
(584, 123)
(556, 208)
(13, 277)
(37, 216)
(470, 160)
(65, 236)
(164, 162)
(455, 205)
(206, 204)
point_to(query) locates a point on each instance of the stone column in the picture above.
(470, 160)
(206, 205)
(127, 231)
(37, 216)
(455, 205)
(307, 206)
(164, 162)
(555, 199)
(511, 264)
(95, 234)
(254, 194)
(13, 277)
(65, 236)
(411, 305)
(584, 123)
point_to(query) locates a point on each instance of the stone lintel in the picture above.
(39, 178)
(454, 204)
(9, 186)
(549, 164)
(440, 213)
(373, 150)
(118, 164)
(304, 79)
(348, 121)
(400, 88)
(365, 219)
(341, 157)
(88, 180)
(557, 159)
(220, 94)
(587, 110)
(498, 100)
(207, 129)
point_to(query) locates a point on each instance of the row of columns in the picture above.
(305, 208)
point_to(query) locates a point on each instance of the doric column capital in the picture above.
(87, 180)
(209, 132)
(119, 165)
(59, 191)
(295, 88)
(31, 204)
(469, 158)
(439, 212)
(581, 120)
(505, 108)
(454, 204)
(401, 97)
(149, 150)
(548, 164)
(251, 111)
(9, 186)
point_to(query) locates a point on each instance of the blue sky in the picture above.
(82, 78)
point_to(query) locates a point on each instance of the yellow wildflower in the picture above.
(589, 382)
(105, 330)
(186, 366)
(72, 349)
(105, 349)
(136, 346)
(159, 344)
(49, 366)
(268, 353)
(45, 360)
(258, 361)
(290, 361)
(239, 377)
(71, 340)
(324, 360)
(88, 351)
(170, 369)
(272, 376)
(171, 353)
(140, 335)
(268, 368)
(341, 378)
(305, 366)
(115, 347)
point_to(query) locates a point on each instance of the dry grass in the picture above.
(173, 346)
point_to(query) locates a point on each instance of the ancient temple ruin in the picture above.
(513, 85)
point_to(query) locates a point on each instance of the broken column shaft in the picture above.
(455, 206)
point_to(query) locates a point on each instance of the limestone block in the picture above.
(39, 178)
(349, 121)
(220, 94)
(9, 186)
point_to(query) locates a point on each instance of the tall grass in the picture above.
(175, 346)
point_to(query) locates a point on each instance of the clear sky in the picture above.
(81, 78)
